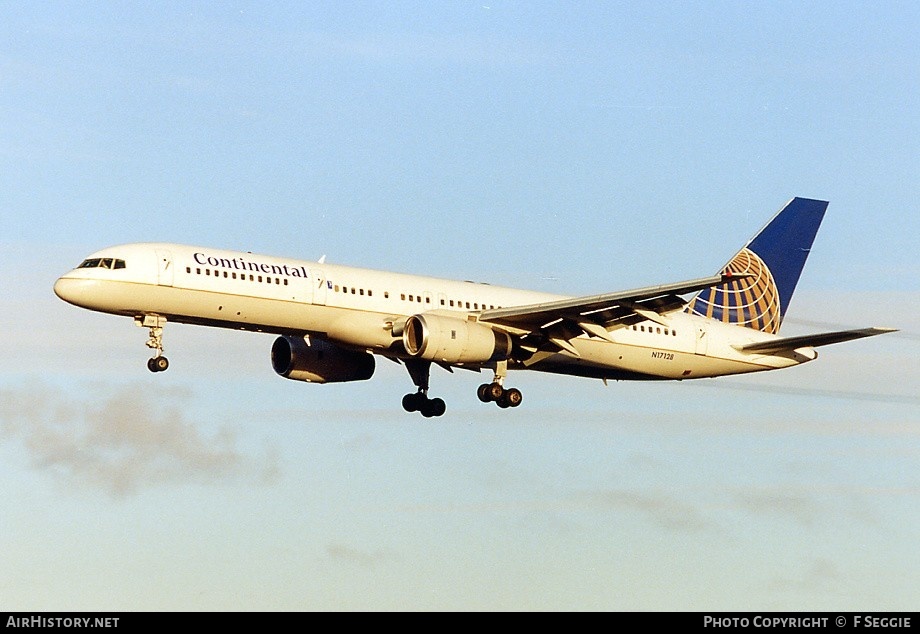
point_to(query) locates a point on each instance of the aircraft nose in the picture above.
(68, 289)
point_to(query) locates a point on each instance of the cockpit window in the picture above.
(102, 263)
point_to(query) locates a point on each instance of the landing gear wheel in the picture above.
(434, 407)
(513, 397)
(157, 364)
(495, 393)
(413, 402)
(419, 402)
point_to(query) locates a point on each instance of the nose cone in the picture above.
(69, 289)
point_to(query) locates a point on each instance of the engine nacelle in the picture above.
(452, 340)
(318, 361)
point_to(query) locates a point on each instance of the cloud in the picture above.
(658, 508)
(797, 507)
(344, 553)
(124, 441)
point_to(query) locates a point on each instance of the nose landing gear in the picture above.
(155, 323)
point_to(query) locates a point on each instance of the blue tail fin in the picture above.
(774, 259)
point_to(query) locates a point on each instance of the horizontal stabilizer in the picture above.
(821, 339)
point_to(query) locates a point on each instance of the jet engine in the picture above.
(452, 340)
(318, 361)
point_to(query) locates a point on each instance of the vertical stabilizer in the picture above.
(773, 261)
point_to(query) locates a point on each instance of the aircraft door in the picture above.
(702, 341)
(319, 283)
(164, 267)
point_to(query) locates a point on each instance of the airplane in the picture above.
(333, 320)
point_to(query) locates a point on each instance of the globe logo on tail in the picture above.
(747, 301)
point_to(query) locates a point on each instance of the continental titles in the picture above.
(240, 264)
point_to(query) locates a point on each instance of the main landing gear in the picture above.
(419, 402)
(495, 392)
(155, 323)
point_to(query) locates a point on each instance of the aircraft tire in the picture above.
(495, 391)
(437, 406)
(513, 397)
(412, 402)
(157, 364)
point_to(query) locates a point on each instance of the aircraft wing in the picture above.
(822, 339)
(558, 321)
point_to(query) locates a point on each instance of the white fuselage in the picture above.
(357, 308)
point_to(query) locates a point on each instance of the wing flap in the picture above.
(821, 339)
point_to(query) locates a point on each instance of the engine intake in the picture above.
(452, 340)
(318, 361)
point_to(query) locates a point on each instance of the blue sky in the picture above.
(568, 147)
